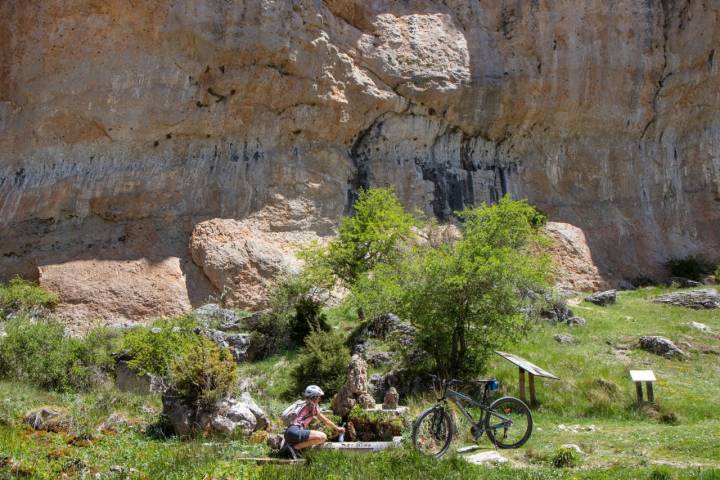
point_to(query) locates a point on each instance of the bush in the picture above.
(566, 458)
(295, 311)
(39, 353)
(691, 267)
(151, 349)
(324, 362)
(19, 294)
(661, 472)
(203, 374)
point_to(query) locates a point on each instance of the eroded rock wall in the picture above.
(124, 124)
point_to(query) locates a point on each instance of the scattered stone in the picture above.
(392, 399)
(706, 298)
(114, 423)
(682, 282)
(141, 383)
(485, 458)
(577, 428)
(376, 386)
(661, 346)
(49, 419)
(555, 309)
(564, 339)
(603, 298)
(700, 326)
(709, 280)
(572, 446)
(239, 344)
(212, 314)
(576, 321)
(380, 359)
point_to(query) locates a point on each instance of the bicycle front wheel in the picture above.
(508, 422)
(433, 432)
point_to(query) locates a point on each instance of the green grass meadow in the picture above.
(594, 400)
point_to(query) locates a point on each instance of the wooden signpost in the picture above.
(532, 371)
(640, 376)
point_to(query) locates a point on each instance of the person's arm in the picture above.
(329, 422)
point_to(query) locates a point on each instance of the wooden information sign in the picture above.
(532, 371)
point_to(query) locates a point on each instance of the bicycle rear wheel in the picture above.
(433, 432)
(508, 422)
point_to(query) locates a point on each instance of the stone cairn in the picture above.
(355, 391)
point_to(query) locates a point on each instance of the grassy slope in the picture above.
(627, 441)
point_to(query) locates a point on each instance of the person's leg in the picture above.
(314, 438)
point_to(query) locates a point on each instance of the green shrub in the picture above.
(203, 374)
(566, 458)
(39, 353)
(691, 267)
(151, 349)
(295, 311)
(324, 362)
(661, 472)
(19, 294)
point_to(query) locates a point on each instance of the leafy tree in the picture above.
(465, 299)
(371, 236)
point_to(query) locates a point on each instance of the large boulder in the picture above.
(661, 346)
(117, 291)
(49, 419)
(227, 416)
(603, 298)
(573, 260)
(241, 260)
(703, 299)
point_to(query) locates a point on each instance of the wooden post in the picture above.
(638, 389)
(522, 384)
(650, 394)
(531, 381)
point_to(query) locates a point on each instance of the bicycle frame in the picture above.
(460, 400)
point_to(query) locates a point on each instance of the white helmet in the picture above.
(313, 391)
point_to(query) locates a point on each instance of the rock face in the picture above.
(696, 299)
(116, 291)
(124, 125)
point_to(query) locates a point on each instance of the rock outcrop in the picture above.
(703, 299)
(124, 125)
(355, 391)
(661, 346)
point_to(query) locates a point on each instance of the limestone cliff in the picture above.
(124, 123)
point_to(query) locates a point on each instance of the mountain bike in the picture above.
(507, 421)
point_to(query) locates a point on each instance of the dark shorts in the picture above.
(295, 434)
